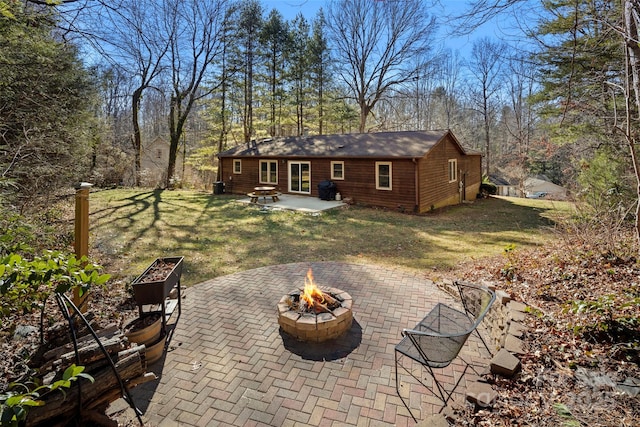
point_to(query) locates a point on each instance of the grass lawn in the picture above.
(218, 236)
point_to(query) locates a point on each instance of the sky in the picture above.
(290, 8)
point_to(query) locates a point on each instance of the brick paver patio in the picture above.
(228, 363)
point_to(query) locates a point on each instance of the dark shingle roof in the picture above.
(498, 180)
(382, 144)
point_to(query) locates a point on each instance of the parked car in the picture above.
(537, 195)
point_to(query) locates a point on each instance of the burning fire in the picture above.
(311, 299)
(311, 294)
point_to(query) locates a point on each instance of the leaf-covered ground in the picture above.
(583, 335)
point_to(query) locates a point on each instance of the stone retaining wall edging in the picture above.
(503, 329)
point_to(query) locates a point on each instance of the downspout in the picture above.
(464, 186)
(416, 206)
(220, 172)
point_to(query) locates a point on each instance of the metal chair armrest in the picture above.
(408, 331)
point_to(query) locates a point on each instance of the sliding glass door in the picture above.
(300, 177)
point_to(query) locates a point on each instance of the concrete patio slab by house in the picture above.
(229, 364)
(296, 203)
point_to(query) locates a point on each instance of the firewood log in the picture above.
(131, 350)
(329, 300)
(91, 352)
(58, 333)
(147, 377)
(321, 308)
(56, 405)
(109, 331)
(114, 394)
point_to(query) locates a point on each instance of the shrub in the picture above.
(488, 188)
(510, 270)
(31, 234)
(15, 402)
(606, 185)
(613, 316)
(47, 108)
(26, 284)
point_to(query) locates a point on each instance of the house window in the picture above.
(237, 166)
(337, 170)
(453, 170)
(383, 175)
(268, 171)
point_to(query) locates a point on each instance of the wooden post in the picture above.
(81, 234)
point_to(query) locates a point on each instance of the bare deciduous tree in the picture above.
(447, 73)
(485, 66)
(130, 36)
(520, 125)
(196, 40)
(480, 12)
(374, 44)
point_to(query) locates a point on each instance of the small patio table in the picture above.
(264, 191)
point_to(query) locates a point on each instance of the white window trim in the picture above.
(333, 170)
(239, 163)
(453, 167)
(378, 164)
(261, 181)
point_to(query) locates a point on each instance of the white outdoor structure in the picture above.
(537, 185)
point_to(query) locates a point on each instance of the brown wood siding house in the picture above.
(411, 171)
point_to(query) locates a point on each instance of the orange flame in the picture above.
(311, 294)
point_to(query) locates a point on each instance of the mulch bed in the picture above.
(157, 272)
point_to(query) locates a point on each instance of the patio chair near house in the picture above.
(437, 339)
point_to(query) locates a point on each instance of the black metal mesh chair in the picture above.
(438, 338)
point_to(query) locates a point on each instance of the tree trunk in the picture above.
(177, 118)
(137, 137)
(248, 96)
(636, 170)
(364, 112)
(321, 105)
(272, 124)
(487, 138)
(223, 121)
(299, 107)
(631, 17)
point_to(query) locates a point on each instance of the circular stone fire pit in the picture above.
(313, 324)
